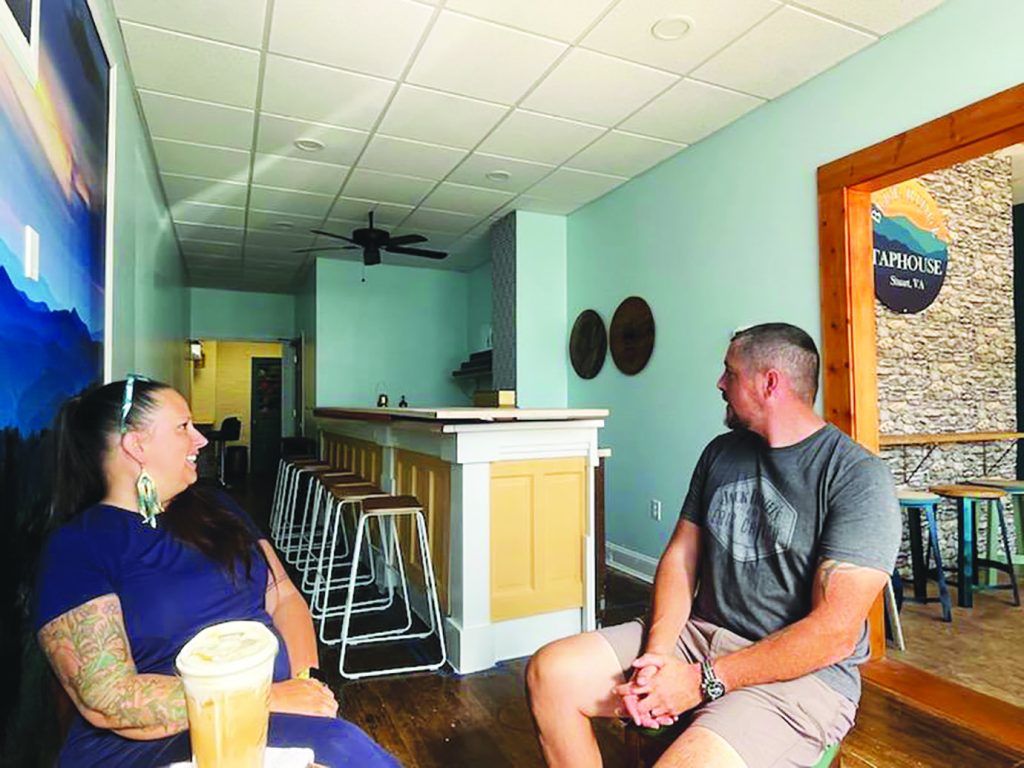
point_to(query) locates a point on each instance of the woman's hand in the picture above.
(303, 697)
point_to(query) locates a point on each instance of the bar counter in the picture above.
(509, 499)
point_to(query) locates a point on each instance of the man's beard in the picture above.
(732, 421)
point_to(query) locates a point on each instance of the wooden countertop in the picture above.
(947, 437)
(460, 414)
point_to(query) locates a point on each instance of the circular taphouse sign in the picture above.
(632, 335)
(588, 344)
(911, 249)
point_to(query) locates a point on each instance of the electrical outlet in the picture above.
(656, 509)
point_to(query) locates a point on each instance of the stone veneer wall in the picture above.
(951, 367)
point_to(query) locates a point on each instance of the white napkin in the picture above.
(275, 757)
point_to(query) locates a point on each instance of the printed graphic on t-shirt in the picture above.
(751, 519)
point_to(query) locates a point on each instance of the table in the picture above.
(933, 441)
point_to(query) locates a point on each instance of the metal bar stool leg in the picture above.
(940, 575)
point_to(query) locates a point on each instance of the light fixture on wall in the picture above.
(196, 354)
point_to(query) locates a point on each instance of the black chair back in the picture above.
(230, 429)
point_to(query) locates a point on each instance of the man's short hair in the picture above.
(785, 347)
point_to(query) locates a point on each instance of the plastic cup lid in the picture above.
(227, 648)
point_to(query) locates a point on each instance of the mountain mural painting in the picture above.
(911, 251)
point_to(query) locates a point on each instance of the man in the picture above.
(786, 537)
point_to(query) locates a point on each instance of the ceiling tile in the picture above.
(289, 201)
(565, 20)
(518, 136)
(440, 221)
(322, 94)
(179, 64)
(539, 205)
(202, 247)
(274, 220)
(203, 213)
(762, 61)
(232, 21)
(439, 118)
(200, 159)
(386, 187)
(401, 156)
(464, 199)
(567, 185)
(208, 233)
(623, 154)
(879, 16)
(199, 190)
(281, 241)
(352, 212)
(278, 134)
(522, 174)
(596, 88)
(377, 37)
(626, 30)
(493, 62)
(172, 117)
(294, 173)
(690, 111)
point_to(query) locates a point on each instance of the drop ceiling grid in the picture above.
(197, 125)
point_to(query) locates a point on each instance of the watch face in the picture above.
(715, 689)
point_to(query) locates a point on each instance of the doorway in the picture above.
(265, 418)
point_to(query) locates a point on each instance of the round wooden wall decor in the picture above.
(632, 335)
(588, 344)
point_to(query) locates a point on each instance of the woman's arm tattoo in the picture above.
(88, 649)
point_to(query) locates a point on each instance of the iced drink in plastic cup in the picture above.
(227, 670)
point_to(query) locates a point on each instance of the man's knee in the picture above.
(553, 668)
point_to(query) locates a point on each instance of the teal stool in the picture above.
(914, 503)
(1015, 490)
(968, 562)
(645, 745)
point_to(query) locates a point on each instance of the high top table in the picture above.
(510, 500)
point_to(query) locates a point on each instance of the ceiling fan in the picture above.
(373, 241)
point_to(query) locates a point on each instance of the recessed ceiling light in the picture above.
(283, 225)
(671, 27)
(501, 176)
(309, 145)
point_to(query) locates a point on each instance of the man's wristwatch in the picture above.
(711, 687)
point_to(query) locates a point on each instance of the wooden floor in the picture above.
(443, 720)
(980, 649)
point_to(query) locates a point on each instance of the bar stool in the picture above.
(328, 561)
(1015, 490)
(287, 469)
(913, 503)
(308, 531)
(286, 538)
(967, 542)
(389, 509)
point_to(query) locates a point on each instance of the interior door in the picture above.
(265, 426)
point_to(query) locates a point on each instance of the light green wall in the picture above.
(403, 329)
(219, 314)
(151, 304)
(725, 234)
(480, 309)
(541, 359)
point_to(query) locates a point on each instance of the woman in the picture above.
(144, 562)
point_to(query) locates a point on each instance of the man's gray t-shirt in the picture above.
(768, 518)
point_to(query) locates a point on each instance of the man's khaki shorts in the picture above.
(777, 725)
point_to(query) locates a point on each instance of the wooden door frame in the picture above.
(850, 387)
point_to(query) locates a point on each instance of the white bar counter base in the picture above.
(473, 441)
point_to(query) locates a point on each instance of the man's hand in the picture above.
(662, 688)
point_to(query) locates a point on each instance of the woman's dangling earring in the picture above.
(149, 501)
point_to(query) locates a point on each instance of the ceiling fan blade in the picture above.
(331, 234)
(327, 248)
(406, 240)
(417, 252)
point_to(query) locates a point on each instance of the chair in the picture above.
(913, 503)
(645, 745)
(967, 497)
(1015, 490)
(230, 430)
(386, 510)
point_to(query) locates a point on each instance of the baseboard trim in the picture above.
(630, 562)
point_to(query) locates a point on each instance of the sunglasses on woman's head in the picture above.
(129, 395)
